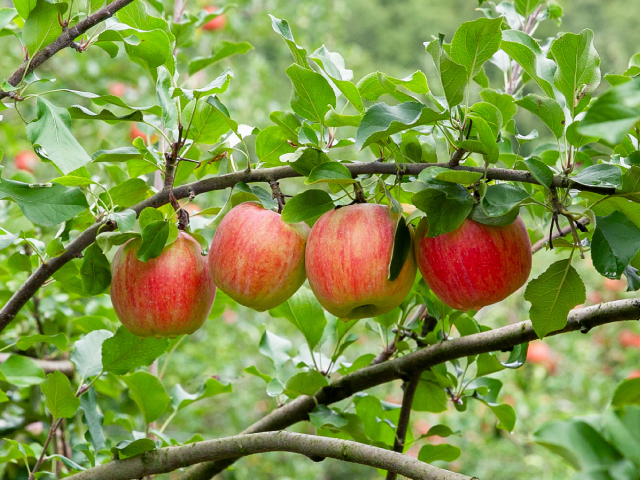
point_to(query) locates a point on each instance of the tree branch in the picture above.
(66, 39)
(267, 175)
(503, 338)
(171, 458)
(540, 244)
(49, 366)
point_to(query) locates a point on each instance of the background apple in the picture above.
(135, 132)
(629, 339)
(256, 258)
(348, 255)
(475, 265)
(165, 297)
(26, 160)
(117, 89)
(540, 353)
(217, 23)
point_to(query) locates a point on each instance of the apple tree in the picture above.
(398, 206)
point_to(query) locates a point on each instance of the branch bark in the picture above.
(49, 366)
(171, 458)
(503, 338)
(410, 386)
(267, 175)
(66, 39)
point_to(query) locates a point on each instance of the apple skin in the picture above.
(475, 265)
(26, 160)
(169, 295)
(256, 258)
(117, 88)
(217, 23)
(348, 255)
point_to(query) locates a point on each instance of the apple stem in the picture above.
(277, 195)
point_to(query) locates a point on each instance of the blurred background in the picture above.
(571, 375)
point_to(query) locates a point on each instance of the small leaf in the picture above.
(59, 340)
(401, 248)
(475, 42)
(627, 393)
(330, 172)
(275, 347)
(458, 176)
(272, 143)
(502, 198)
(59, 398)
(87, 354)
(323, 415)
(552, 295)
(547, 110)
(453, 76)
(125, 219)
(131, 448)
(95, 271)
(616, 240)
(600, 175)
(307, 205)
(93, 419)
(211, 387)
(21, 371)
(443, 452)
(281, 27)
(305, 383)
(541, 172)
(305, 313)
(220, 50)
(148, 394)
(124, 351)
(154, 239)
(312, 95)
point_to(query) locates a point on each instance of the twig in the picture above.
(540, 244)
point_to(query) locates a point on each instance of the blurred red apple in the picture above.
(135, 132)
(348, 255)
(216, 23)
(540, 353)
(629, 339)
(256, 258)
(26, 160)
(475, 265)
(633, 374)
(614, 285)
(117, 89)
(165, 297)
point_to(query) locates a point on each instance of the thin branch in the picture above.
(317, 448)
(49, 366)
(75, 248)
(66, 39)
(540, 244)
(504, 338)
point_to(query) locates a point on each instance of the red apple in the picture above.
(614, 285)
(135, 132)
(216, 23)
(540, 353)
(476, 264)
(348, 255)
(165, 297)
(633, 374)
(256, 258)
(26, 160)
(117, 89)
(629, 339)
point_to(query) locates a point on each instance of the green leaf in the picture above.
(502, 101)
(219, 85)
(335, 119)
(446, 206)
(307, 205)
(93, 419)
(333, 65)
(169, 110)
(125, 219)
(401, 248)
(45, 204)
(281, 27)
(490, 114)
(502, 198)
(305, 313)
(305, 383)
(121, 154)
(614, 113)
(275, 347)
(252, 370)
(547, 110)
(59, 340)
(124, 352)
(220, 50)
(131, 448)
(478, 215)
(42, 26)
(126, 194)
(149, 215)
(458, 176)
(51, 134)
(95, 271)
(374, 85)
(429, 396)
(600, 175)
(576, 138)
(154, 239)
(330, 172)
(305, 159)
(24, 7)
(59, 398)
(578, 72)
(211, 387)
(289, 122)
(382, 120)
(21, 371)
(148, 393)
(78, 112)
(627, 393)
(323, 415)
(552, 295)
(87, 354)
(312, 94)
(207, 122)
(453, 77)
(443, 452)
(526, 52)
(541, 172)
(271, 143)
(475, 42)
(616, 240)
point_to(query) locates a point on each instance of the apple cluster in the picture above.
(345, 257)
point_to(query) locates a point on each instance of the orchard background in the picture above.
(239, 366)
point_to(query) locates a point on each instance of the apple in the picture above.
(256, 258)
(216, 23)
(475, 265)
(633, 374)
(117, 89)
(629, 339)
(26, 160)
(135, 132)
(165, 297)
(540, 353)
(348, 255)
(614, 285)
